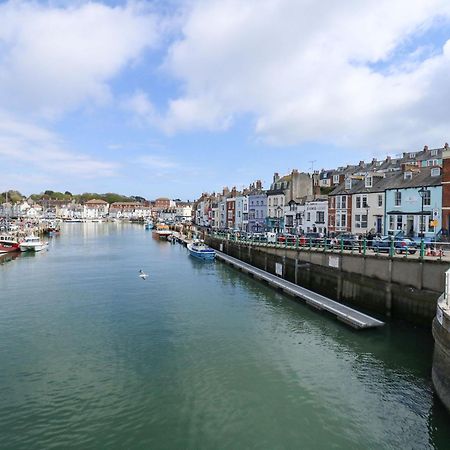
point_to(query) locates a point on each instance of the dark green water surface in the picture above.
(198, 356)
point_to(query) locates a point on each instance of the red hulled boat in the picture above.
(8, 244)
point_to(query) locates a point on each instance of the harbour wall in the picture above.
(402, 288)
(441, 356)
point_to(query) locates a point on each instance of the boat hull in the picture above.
(204, 254)
(7, 248)
(32, 247)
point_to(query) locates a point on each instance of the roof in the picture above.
(391, 180)
(96, 202)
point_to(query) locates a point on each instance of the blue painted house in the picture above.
(257, 209)
(414, 202)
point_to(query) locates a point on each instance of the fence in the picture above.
(379, 247)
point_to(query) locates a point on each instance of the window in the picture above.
(391, 222)
(361, 220)
(348, 183)
(364, 201)
(412, 155)
(308, 217)
(380, 200)
(369, 181)
(407, 175)
(435, 171)
(427, 198)
(320, 217)
(335, 179)
(358, 201)
(270, 201)
(341, 220)
(398, 198)
(434, 152)
(341, 202)
(399, 221)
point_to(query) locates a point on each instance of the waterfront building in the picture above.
(95, 209)
(276, 201)
(183, 211)
(241, 213)
(368, 201)
(340, 209)
(296, 186)
(414, 202)
(257, 208)
(163, 203)
(293, 214)
(315, 216)
(231, 209)
(446, 190)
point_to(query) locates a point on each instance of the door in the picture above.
(379, 225)
(410, 226)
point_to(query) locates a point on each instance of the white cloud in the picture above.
(156, 162)
(305, 71)
(39, 152)
(55, 59)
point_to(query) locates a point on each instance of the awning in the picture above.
(414, 213)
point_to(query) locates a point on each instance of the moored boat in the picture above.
(32, 243)
(148, 225)
(8, 244)
(199, 250)
(162, 232)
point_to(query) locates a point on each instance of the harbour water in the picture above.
(197, 356)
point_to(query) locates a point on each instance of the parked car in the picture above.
(347, 239)
(289, 238)
(401, 245)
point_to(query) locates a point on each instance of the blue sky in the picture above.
(179, 97)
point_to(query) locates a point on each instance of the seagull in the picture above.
(142, 274)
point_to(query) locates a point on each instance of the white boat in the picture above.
(199, 250)
(33, 244)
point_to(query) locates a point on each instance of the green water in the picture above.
(198, 356)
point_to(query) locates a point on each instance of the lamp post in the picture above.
(422, 192)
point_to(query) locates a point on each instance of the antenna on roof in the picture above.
(312, 165)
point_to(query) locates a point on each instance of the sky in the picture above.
(175, 98)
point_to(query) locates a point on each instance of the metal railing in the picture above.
(379, 247)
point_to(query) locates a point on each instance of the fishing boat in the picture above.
(161, 232)
(8, 244)
(200, 250)
(148, 225)
(33, 244)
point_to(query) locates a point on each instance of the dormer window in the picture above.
(435, 171)
(335, 179)
(434, 152)
(412, 155)
(369, 181)
(348, 183)
(407, 175)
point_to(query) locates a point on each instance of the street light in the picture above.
(422, 192)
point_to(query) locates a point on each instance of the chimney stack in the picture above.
(276, 177)
(258, 185)
(446, 146)
(425, 148)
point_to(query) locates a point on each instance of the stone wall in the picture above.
(402, 288)
(441, 357)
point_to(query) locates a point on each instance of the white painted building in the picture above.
(241, 213)
(315, 216)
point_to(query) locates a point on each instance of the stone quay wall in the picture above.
(441, 356)
(403, 288)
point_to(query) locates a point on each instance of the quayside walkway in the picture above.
(347, 315)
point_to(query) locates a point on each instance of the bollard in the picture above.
(391, 248)
(422, 248)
